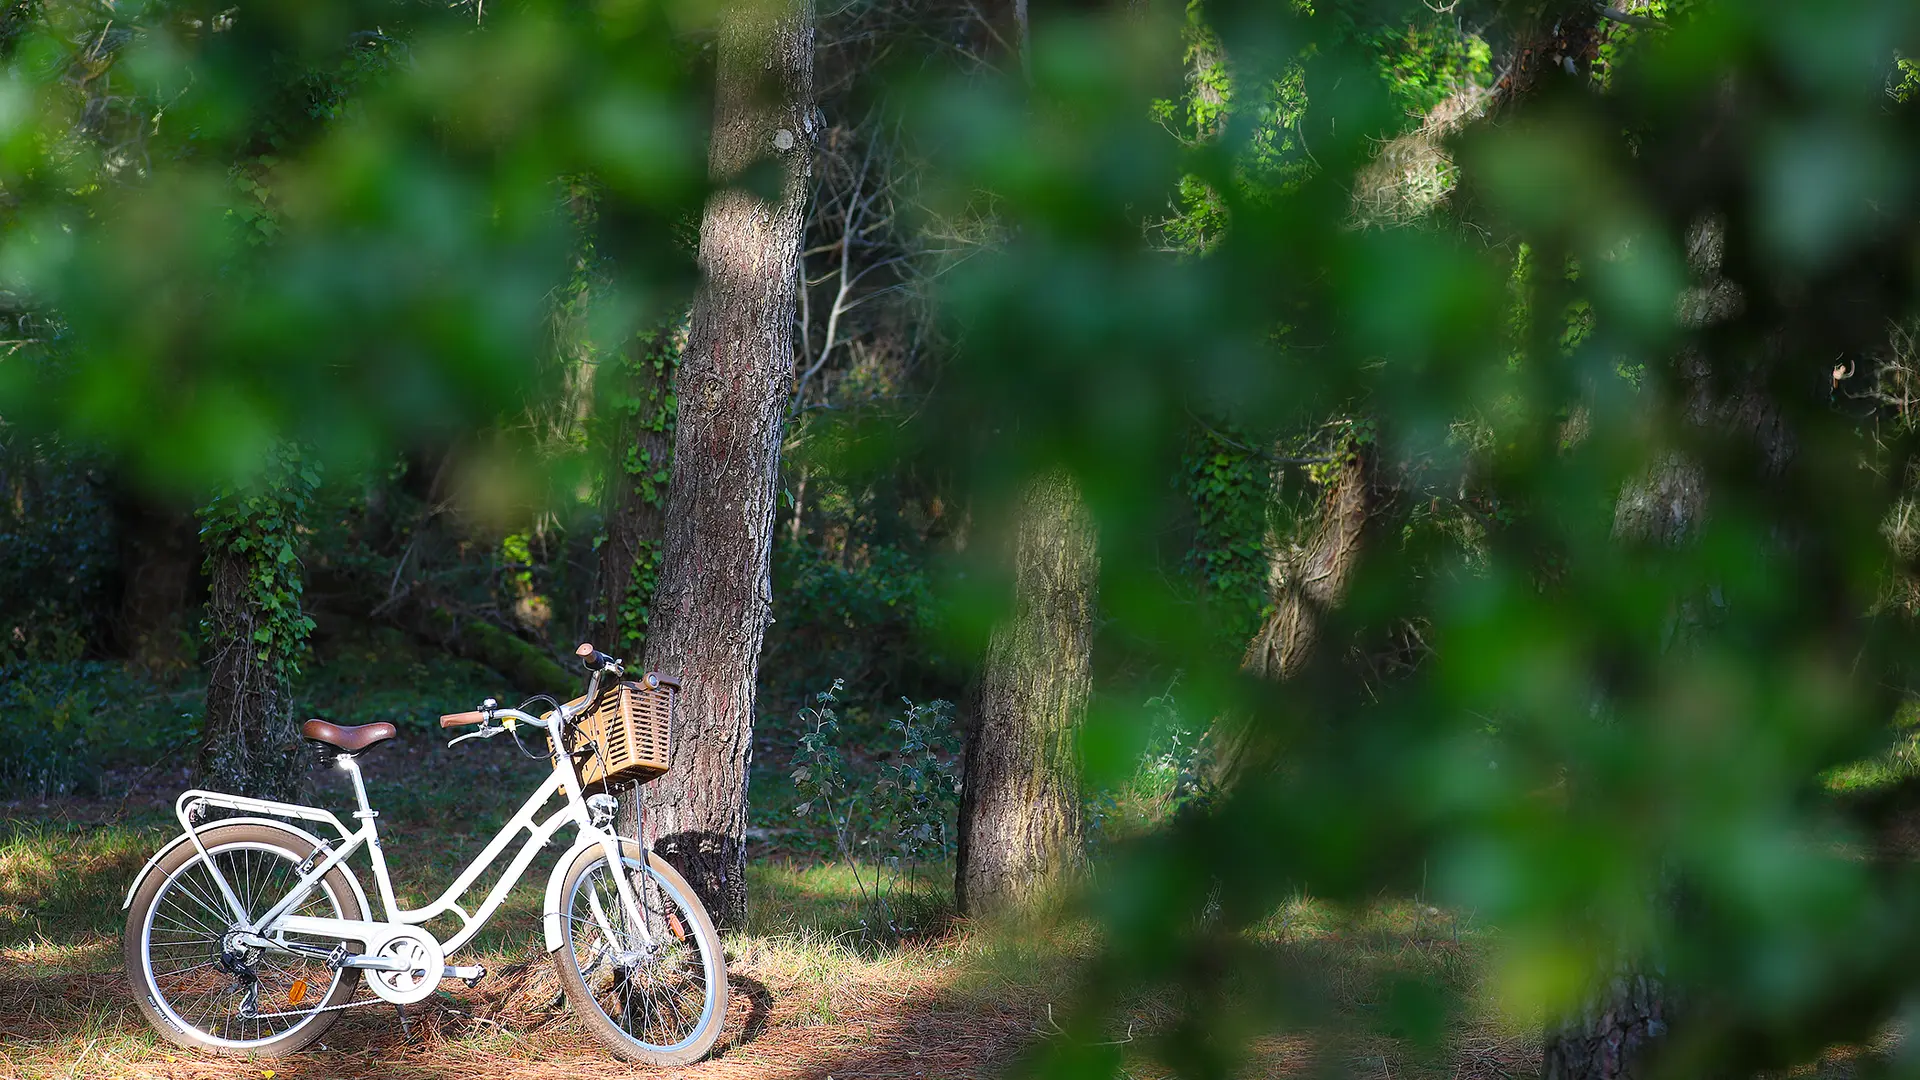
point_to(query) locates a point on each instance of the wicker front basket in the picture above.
(629, 729)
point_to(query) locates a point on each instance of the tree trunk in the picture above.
(637, 488)
(714, 597)
(1020, 821)
(1305, 581)
(256, 633)
(249, 745)
(1609, 1039)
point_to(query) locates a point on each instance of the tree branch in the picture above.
(1644, 22)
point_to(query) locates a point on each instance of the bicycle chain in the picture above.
(314, 1012)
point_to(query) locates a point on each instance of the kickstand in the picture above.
(406, 1030)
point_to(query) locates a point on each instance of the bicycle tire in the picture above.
(601, 987)
(177, 913)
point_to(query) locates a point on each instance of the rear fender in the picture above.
(303, 835)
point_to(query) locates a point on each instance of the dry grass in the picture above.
(800, 1008)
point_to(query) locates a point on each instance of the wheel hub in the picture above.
(237, 955)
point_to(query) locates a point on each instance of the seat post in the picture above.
(351, 767)
(366, 813)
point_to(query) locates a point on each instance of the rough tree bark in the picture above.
(1304, 582)
(1609, 1038)
(249, 744)
(1307, 580)
(1020, 819)
(714, 597)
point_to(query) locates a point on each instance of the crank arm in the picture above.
(376, 963)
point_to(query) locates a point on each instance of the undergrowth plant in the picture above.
(892, 827)
(1173, 772)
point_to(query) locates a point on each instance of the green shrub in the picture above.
(69, 721)
(888, 826)
(57, 552)
(863, 619)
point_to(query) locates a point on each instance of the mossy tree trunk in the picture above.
(1305, 582)
(1020, 808)
(255, 632)
(248, 742)
(713, 600)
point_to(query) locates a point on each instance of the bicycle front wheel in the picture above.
(655, 994)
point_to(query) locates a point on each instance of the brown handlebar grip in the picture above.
(462, 719)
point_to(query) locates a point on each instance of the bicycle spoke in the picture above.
(217, 908)
(185, 927)
(656, 992)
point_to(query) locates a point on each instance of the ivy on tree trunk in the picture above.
(255, 630)
(643, 406)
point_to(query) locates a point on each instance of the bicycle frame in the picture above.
(564, 780)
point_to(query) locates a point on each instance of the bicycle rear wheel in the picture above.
(659, 997)
(202, 988)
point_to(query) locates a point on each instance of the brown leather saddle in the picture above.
(351, 739)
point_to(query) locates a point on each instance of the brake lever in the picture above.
(482, 733)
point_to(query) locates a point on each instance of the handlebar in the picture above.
(593, 658)
(597, 662)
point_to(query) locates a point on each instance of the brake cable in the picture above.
(514, 729)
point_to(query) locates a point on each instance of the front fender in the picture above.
(550, 923)
(305, 837)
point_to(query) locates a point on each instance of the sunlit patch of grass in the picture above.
(846, 901)
(1897, 764)
(99, 952)
(63, 883)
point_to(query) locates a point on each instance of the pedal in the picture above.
(472, 973)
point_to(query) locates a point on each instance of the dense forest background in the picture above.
(1461, 451)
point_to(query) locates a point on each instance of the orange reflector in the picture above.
(297, 993)
(674, 921)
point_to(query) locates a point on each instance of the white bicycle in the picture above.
(245, 934)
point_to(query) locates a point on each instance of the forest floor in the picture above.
(811, 998)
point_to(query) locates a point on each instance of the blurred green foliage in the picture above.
(1614, 747)
(1637, 254)
(336, 226)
